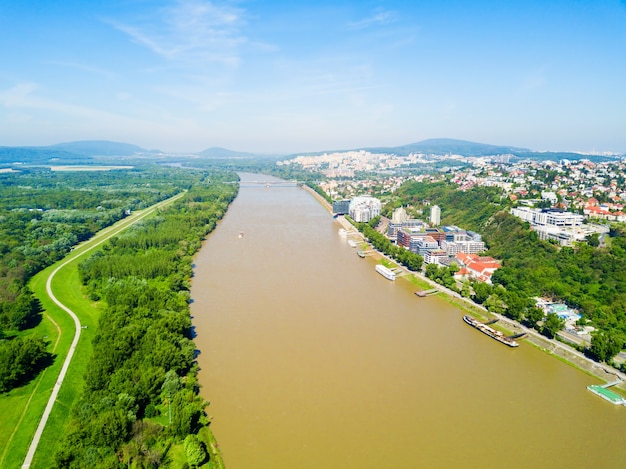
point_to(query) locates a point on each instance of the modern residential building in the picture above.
(408, 236)
(364, 207)
(465, 245)
(341, 207)
(424, 245)
(400, 220)
(435, 215)
(548, 217)
(437, 256)
(552, 224)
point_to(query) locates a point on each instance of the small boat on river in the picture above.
(490, 331)
(386, 272)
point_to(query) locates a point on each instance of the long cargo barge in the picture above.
(491, 332)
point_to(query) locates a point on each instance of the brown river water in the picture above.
(311, 359)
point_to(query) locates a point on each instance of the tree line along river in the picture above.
(311, 359)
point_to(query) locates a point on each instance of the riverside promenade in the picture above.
(559, 349)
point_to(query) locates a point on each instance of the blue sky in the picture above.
(274, 76)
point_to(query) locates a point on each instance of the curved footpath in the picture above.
(68, 359)
(554, 347)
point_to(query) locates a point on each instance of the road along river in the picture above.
(311, 359)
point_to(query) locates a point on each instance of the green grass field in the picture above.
(22, 408)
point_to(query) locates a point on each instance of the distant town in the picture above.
(566, 200)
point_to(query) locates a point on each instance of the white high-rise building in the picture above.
(435, 215)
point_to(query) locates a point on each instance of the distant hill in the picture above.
(39, 155)
(219, 152)
(449, 146)
(99, 148)
(70, 152)
(84, 152)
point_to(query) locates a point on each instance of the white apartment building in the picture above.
(556, 218)
(435, 215)
(560, 226)
(452, 248)
(364, 207)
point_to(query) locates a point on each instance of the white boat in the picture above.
(385, 272)
(342, 232)
(351, 243)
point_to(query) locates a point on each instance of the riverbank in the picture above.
(560, 350)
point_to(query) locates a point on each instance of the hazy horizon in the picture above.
(280, 78)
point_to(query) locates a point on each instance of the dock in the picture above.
(425, 293)
(605, 393)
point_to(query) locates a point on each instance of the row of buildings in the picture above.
(443, 245)
(437, 245)
(558, 225)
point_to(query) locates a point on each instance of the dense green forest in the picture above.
(141, 393)
(43, 214)
(589, 278)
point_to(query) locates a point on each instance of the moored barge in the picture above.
(491, 332)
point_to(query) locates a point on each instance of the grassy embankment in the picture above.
(551, 347)
(22, 408)
(536, 340)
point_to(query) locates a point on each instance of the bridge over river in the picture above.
(270, 183)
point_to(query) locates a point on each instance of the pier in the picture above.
(425, 293)
(604, 392)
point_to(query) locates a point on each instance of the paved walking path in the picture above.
(570, 354)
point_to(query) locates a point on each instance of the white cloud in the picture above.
(379, 17)
(84, 68)
(190, 31)
(23, 97)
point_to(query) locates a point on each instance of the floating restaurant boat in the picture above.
(491, 332)
(386, 272)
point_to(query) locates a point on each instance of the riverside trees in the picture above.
(43, 214)
(141, 393)
(407, 258)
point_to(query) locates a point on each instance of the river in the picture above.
(311, 359)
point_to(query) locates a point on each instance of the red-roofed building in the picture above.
(477, 267)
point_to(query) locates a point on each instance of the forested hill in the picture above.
(447, 146)
(70, 153)
(99, 148)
